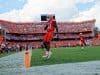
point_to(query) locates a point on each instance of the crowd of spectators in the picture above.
(23, 37)
(67, 36)
(14, 47)
(64, 27)
(95, 41)
(66, 30)
(19, 46)
(40, 37)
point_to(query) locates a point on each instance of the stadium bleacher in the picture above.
(34, 32)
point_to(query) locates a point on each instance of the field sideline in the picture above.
(64, 59)
(6, 54)
(66, 55)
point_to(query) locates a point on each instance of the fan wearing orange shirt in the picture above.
(50, 28)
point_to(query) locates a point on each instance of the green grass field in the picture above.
(66, 55)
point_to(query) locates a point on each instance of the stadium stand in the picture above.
(32, 33)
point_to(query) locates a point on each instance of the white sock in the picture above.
(49, 55)
(47, 52)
